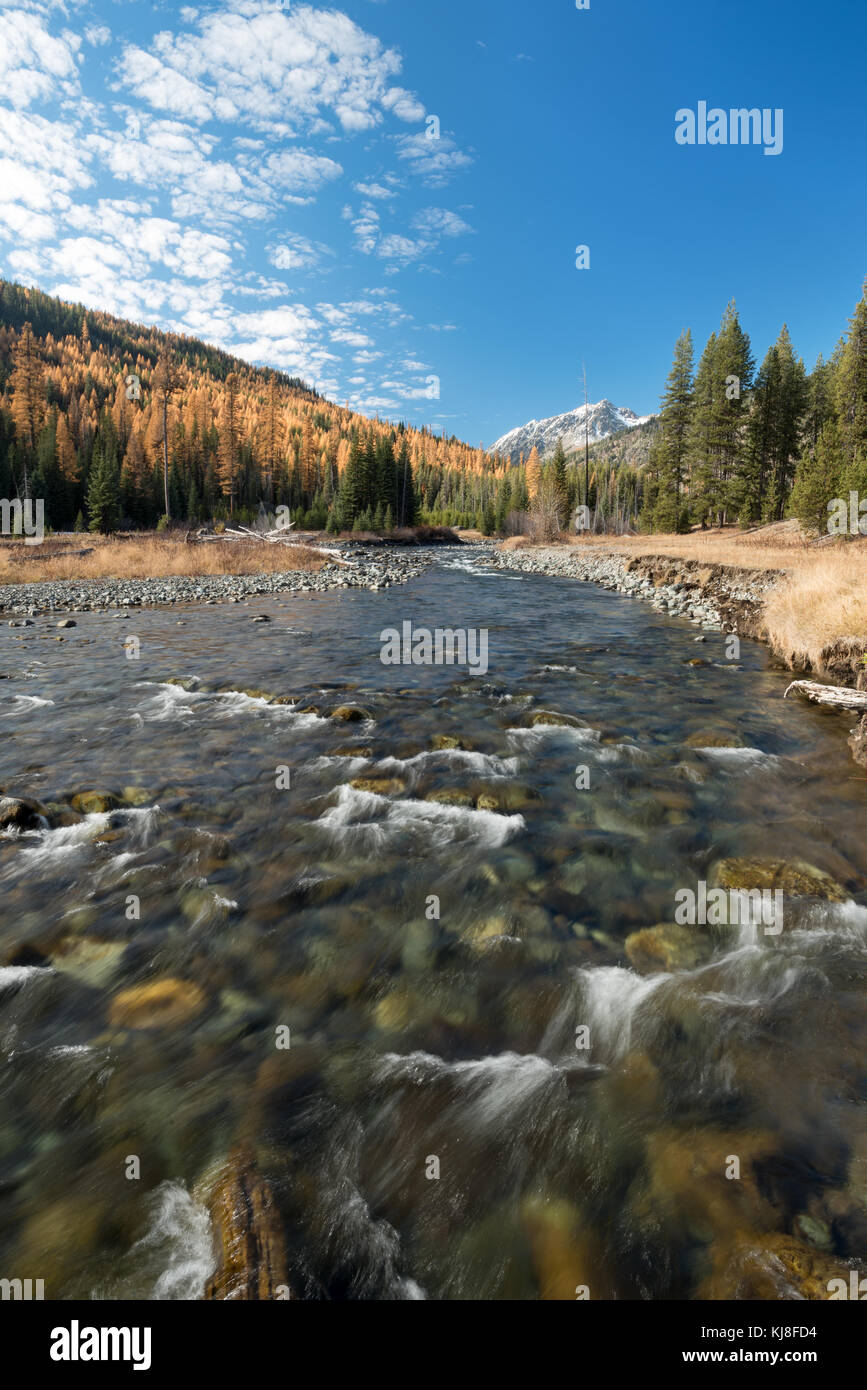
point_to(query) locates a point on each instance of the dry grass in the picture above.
(820, 601)
(146, 556)
(779, 546)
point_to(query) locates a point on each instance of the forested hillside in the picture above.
(117, 425)
(112, 424)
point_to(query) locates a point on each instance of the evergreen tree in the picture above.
(103, 492)
(851, 387)
(668, 513)
(560, 482)
(818, 480)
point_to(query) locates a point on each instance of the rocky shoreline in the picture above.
(721, 598)
(361, 570)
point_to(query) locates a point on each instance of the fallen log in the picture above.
(838, 696)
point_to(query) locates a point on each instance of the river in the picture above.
(411, 999)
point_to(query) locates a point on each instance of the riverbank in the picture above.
(764, 604)
(356, 568)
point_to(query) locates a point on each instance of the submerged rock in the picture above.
(94, 803)
(162, 1004)
(565, 1258)
(667, 947)
(795, 878)
(351, 714)
(771, 1267)
(248, 1232)
(382, 786)
(714, 738)
(441, 743)
(552, 717)
(452, 796)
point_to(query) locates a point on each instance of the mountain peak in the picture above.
(603, 418)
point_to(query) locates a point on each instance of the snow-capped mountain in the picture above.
(604, 419)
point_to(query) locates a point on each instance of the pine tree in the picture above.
(504, 503)
(851, 387)
(103, 493)
(560, 482)
(818, 480)
(700, 448)
(673, 440)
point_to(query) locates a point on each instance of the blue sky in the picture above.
(263, 175)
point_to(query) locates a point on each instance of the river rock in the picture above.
(796, 879)
(382, 786)
(20, 813)
(248, 1233)
(544, 717)
(94, 802)
(452, 796)
(714, 738)
(162, 1004)
(90, 962)
(565, 1257)
(351, 714)
(667, 947)
(770, 1267)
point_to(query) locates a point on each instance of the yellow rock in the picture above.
(382, 786)
(667, 947)
(162, 1004)
(563, 1256)
(794, 878)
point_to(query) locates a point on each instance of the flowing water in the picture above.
(423, 1044)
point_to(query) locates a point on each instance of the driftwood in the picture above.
(839, 696)
(279, 534)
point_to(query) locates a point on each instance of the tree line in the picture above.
(740, 444)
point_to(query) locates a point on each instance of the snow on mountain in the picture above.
(604, 419)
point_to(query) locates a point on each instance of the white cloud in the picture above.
(34, 64)
(434, 161)
(294, 252)
(255, 62)
(97, 34)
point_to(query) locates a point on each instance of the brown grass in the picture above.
(779, 546)
(146, 556)
(822, 600)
